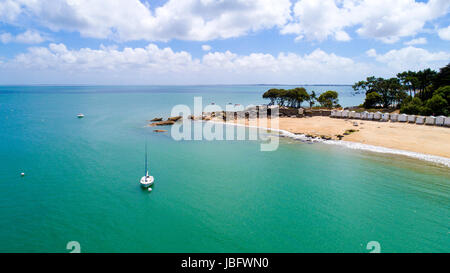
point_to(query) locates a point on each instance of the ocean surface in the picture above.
(82, 181)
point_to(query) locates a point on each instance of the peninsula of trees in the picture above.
(425, 92)
(295, 97)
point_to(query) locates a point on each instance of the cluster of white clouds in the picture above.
(203, 20)
(317, 66)
(125, 20)
(411, 58)
(27, 37)
(444, 33)
(212, 67)
(417, 41)
(385, 20)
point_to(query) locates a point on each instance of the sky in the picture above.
(171, 42)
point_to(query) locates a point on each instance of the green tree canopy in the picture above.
(328, 99)
(372, 100)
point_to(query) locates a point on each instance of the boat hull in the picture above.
(147, 182)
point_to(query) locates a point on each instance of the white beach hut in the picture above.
(333, 114)
(412, 118)
(420, 120)
(440, 120)
(364, 115)
(345, 114)
(338, 114)
(447, 121)
(385, 117)
(357, 115)
(370, 116)
(351, 114)
(394, 117)
(402, 118)
(430, 120)
(377, 116)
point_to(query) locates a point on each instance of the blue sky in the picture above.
(219, 41)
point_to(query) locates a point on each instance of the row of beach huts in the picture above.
(378, 116)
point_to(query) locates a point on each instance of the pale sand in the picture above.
(424, 139)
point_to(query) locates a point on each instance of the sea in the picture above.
(81, 181)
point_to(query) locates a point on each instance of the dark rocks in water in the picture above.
(339, 136)
(162, 123)
(160, 131)
(156, 119)
(174, 118)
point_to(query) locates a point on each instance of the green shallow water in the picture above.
(82, 176)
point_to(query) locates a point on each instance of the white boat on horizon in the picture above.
(147, 180)
(80, 116)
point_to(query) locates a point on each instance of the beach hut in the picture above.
(394, 117)
(338, 114)
(345, 114)
(385, 117)
(411, 118)
(430, 120)
(357, 115)
(333, 114)
(447, 121)
(377, 116)
(402, 118)
(351, 114)
(440, 120)
(370, 116)
(420, 120)
(364, 115)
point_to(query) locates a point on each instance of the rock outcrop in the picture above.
(162, 123)
(174, 118)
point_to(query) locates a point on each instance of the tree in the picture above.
(367, 86)
(413, 107)
(442, 78)
(409, 81)
(328, 99)
(271, 94)
(372, 100)
(425, 79)
(444, 92)
(388, 90)
(282, 96)
(437, 105)
(301, 96)
(312, 98)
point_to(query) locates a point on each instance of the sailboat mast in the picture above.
(145, 158)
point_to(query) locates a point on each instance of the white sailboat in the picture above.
(147, 180)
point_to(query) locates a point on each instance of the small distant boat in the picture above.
(147, 180)
(80, 116)
(213, 103)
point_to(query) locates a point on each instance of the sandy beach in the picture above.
(431, 140)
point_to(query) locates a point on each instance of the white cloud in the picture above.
(126, 20)
(417, 41)
(27, 37)
(6, 38)
(412, 58)
(444, 33)
(206, 47)
(9, 10)
(384, 20)
(152, 64)
(371, 52)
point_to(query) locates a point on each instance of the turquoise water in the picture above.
(82, 176)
